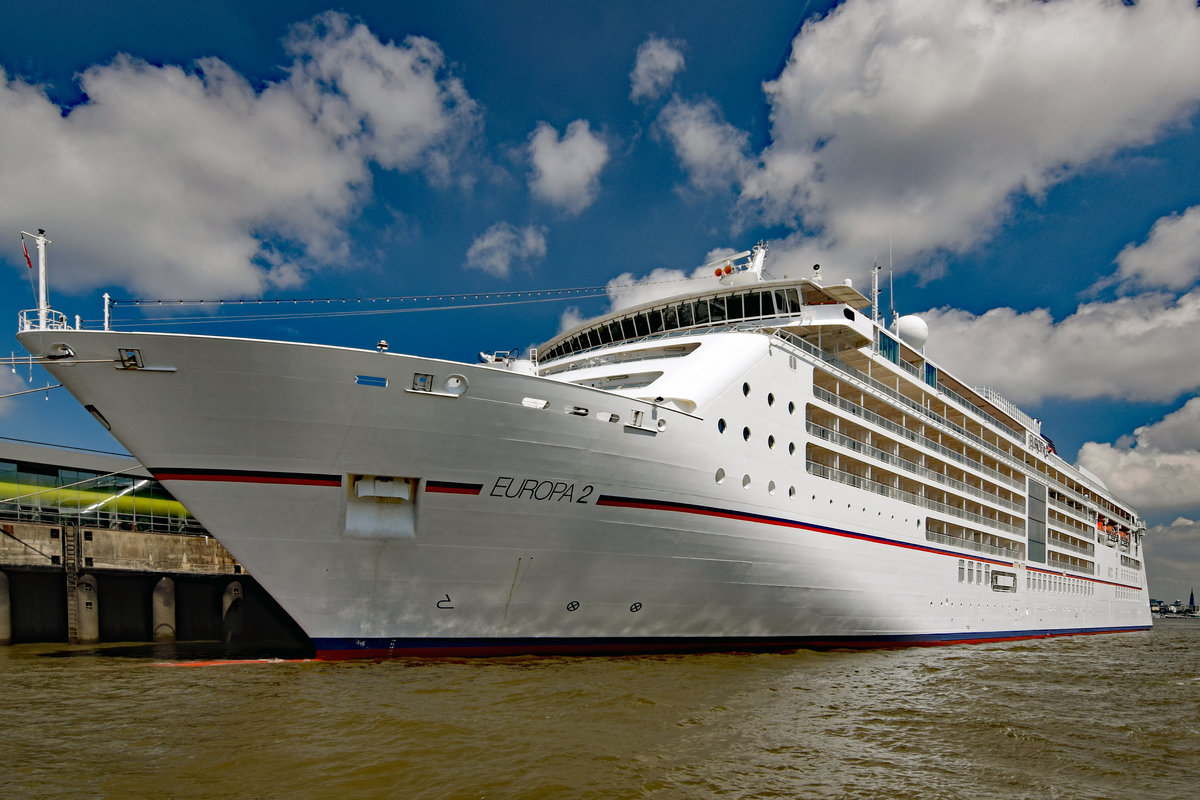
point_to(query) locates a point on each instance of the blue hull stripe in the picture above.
(346, 648)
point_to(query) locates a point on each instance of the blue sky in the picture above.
(1030, 170)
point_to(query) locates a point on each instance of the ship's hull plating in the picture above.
(534, 515)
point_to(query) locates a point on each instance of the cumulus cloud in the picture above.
(920, 122)
(192, 181)
(504, 245)
(1159, 470)
(1173, 559)
(628, 290)
(712, 152)
(1169, 258)
(1131, 348)
(658, 61)
(566, 171)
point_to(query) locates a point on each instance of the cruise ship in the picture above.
(756, 464)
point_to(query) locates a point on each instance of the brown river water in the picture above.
(1115, 716)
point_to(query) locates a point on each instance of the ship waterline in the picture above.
(757, 465)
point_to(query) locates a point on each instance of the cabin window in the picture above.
(641, 325)
(685, 315)
(931, 374)
(603, 335)
(889, 348)
(781, 305)
(627, 329)
(614, 331)
(655, 318)
(766, 304)
(734, 308)
(716, 309)
(753, 306)
(670, 318)
(701, 312)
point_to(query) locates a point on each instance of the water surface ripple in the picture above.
(1081, 717)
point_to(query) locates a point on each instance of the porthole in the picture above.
(746, 389)
(745, 481)
(770, 442)
(720, 475)
(770, 399)
(720, 426)
(771, 487)
(791, 491)
(791, 407)
(746, 434)
(791, 448)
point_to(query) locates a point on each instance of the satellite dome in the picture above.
(913, 331)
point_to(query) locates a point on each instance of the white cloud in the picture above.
(658, 61)
(1159, 471)
(569, 319)
(566, 172)
(193, 182)
(711, 151)
(626, 290)
(503, 245)
(1170, 256)
(1173, 559)
(1133, 348)
(919, 121)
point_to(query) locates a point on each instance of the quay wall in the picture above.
(64, 583)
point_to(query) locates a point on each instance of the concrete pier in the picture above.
(162, 607)
(94, 550)
(5, 612)
(131, 586)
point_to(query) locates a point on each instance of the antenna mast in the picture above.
(43, 307)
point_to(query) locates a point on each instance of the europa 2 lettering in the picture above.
(543, 489)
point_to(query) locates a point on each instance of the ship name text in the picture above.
(513, 488)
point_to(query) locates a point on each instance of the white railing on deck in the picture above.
(30, 320)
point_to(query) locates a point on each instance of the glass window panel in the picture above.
(753, 306)
(733, 307)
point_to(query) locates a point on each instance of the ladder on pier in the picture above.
(70, 559)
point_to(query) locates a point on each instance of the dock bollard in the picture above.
(89, 610)
(5, 612)
(162, 610)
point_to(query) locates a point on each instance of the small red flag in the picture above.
(25, 247)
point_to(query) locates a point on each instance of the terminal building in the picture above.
(94, 550)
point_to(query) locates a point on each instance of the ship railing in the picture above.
(1062, 563)
(30, 320)
(875, 387)
(1090, 550)
(859, 482)
(909, 466)
(955, 541)
(913, 436)
(1009, 407)
(967, 405)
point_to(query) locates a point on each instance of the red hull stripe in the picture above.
(377, 648)
(450, 487)
(709, 511)
(247, 476)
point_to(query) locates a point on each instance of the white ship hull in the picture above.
(481, 510)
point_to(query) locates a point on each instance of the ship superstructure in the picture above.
(754, 464)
